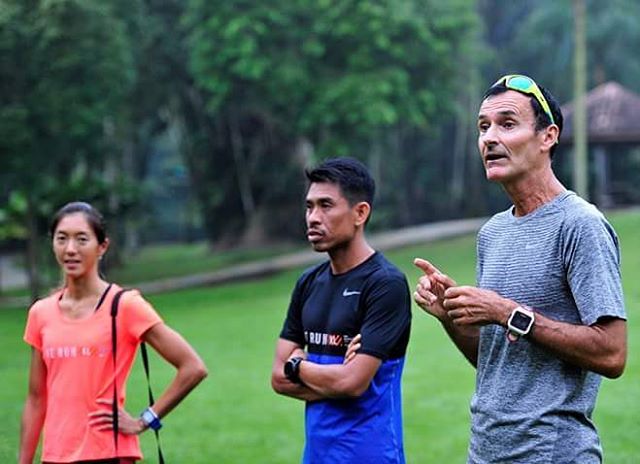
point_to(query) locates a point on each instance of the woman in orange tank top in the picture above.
(73, 373)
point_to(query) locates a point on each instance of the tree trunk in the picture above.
(460, 146)
(242, 168)
(581, 157)
(303, 151)
(32, 251)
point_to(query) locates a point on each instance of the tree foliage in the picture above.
(339, 78)
(250, 93)
(65, 74)
(537, 38)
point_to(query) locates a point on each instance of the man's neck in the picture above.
(351, 255)
(534, 191)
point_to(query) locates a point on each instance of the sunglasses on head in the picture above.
(528, 86)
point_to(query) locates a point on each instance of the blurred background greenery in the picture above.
(192, 120)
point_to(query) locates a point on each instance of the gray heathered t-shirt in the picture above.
(529, 406)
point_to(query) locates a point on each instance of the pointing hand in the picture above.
(429, 294)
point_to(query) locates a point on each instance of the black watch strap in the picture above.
(292, 369)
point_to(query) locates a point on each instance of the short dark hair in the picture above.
(542, 118)
(94, 218)
(349, 174)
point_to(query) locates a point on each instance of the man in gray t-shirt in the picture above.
(547, 317)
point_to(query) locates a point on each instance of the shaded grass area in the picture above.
(168, 260)
(234, 417)
(161, 261)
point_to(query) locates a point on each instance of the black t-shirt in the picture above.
(326, 310)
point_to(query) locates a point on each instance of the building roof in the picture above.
(613, 115)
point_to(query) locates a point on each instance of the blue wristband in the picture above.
(151, 419)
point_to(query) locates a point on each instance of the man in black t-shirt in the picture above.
(353, 411)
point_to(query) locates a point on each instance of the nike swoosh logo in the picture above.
(346, 292)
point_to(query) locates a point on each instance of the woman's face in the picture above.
(76, 246)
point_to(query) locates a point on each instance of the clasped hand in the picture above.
(440, 296)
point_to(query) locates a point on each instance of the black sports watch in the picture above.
(292, 369)
(520, 322)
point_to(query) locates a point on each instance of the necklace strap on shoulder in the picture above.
(102, 297)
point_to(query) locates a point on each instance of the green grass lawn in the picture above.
(234, 417)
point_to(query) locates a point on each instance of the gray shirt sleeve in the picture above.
(591, 258)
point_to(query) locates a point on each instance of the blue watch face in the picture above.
(147, 417)
(150, 419)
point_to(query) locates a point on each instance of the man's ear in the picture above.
(362, 211)
(550, 137)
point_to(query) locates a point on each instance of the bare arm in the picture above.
(601, 347)
(467, 341)
(34, 409)
(286, 349)
(349, 380)
(429, 295)
(190, 368)
(190, 372)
